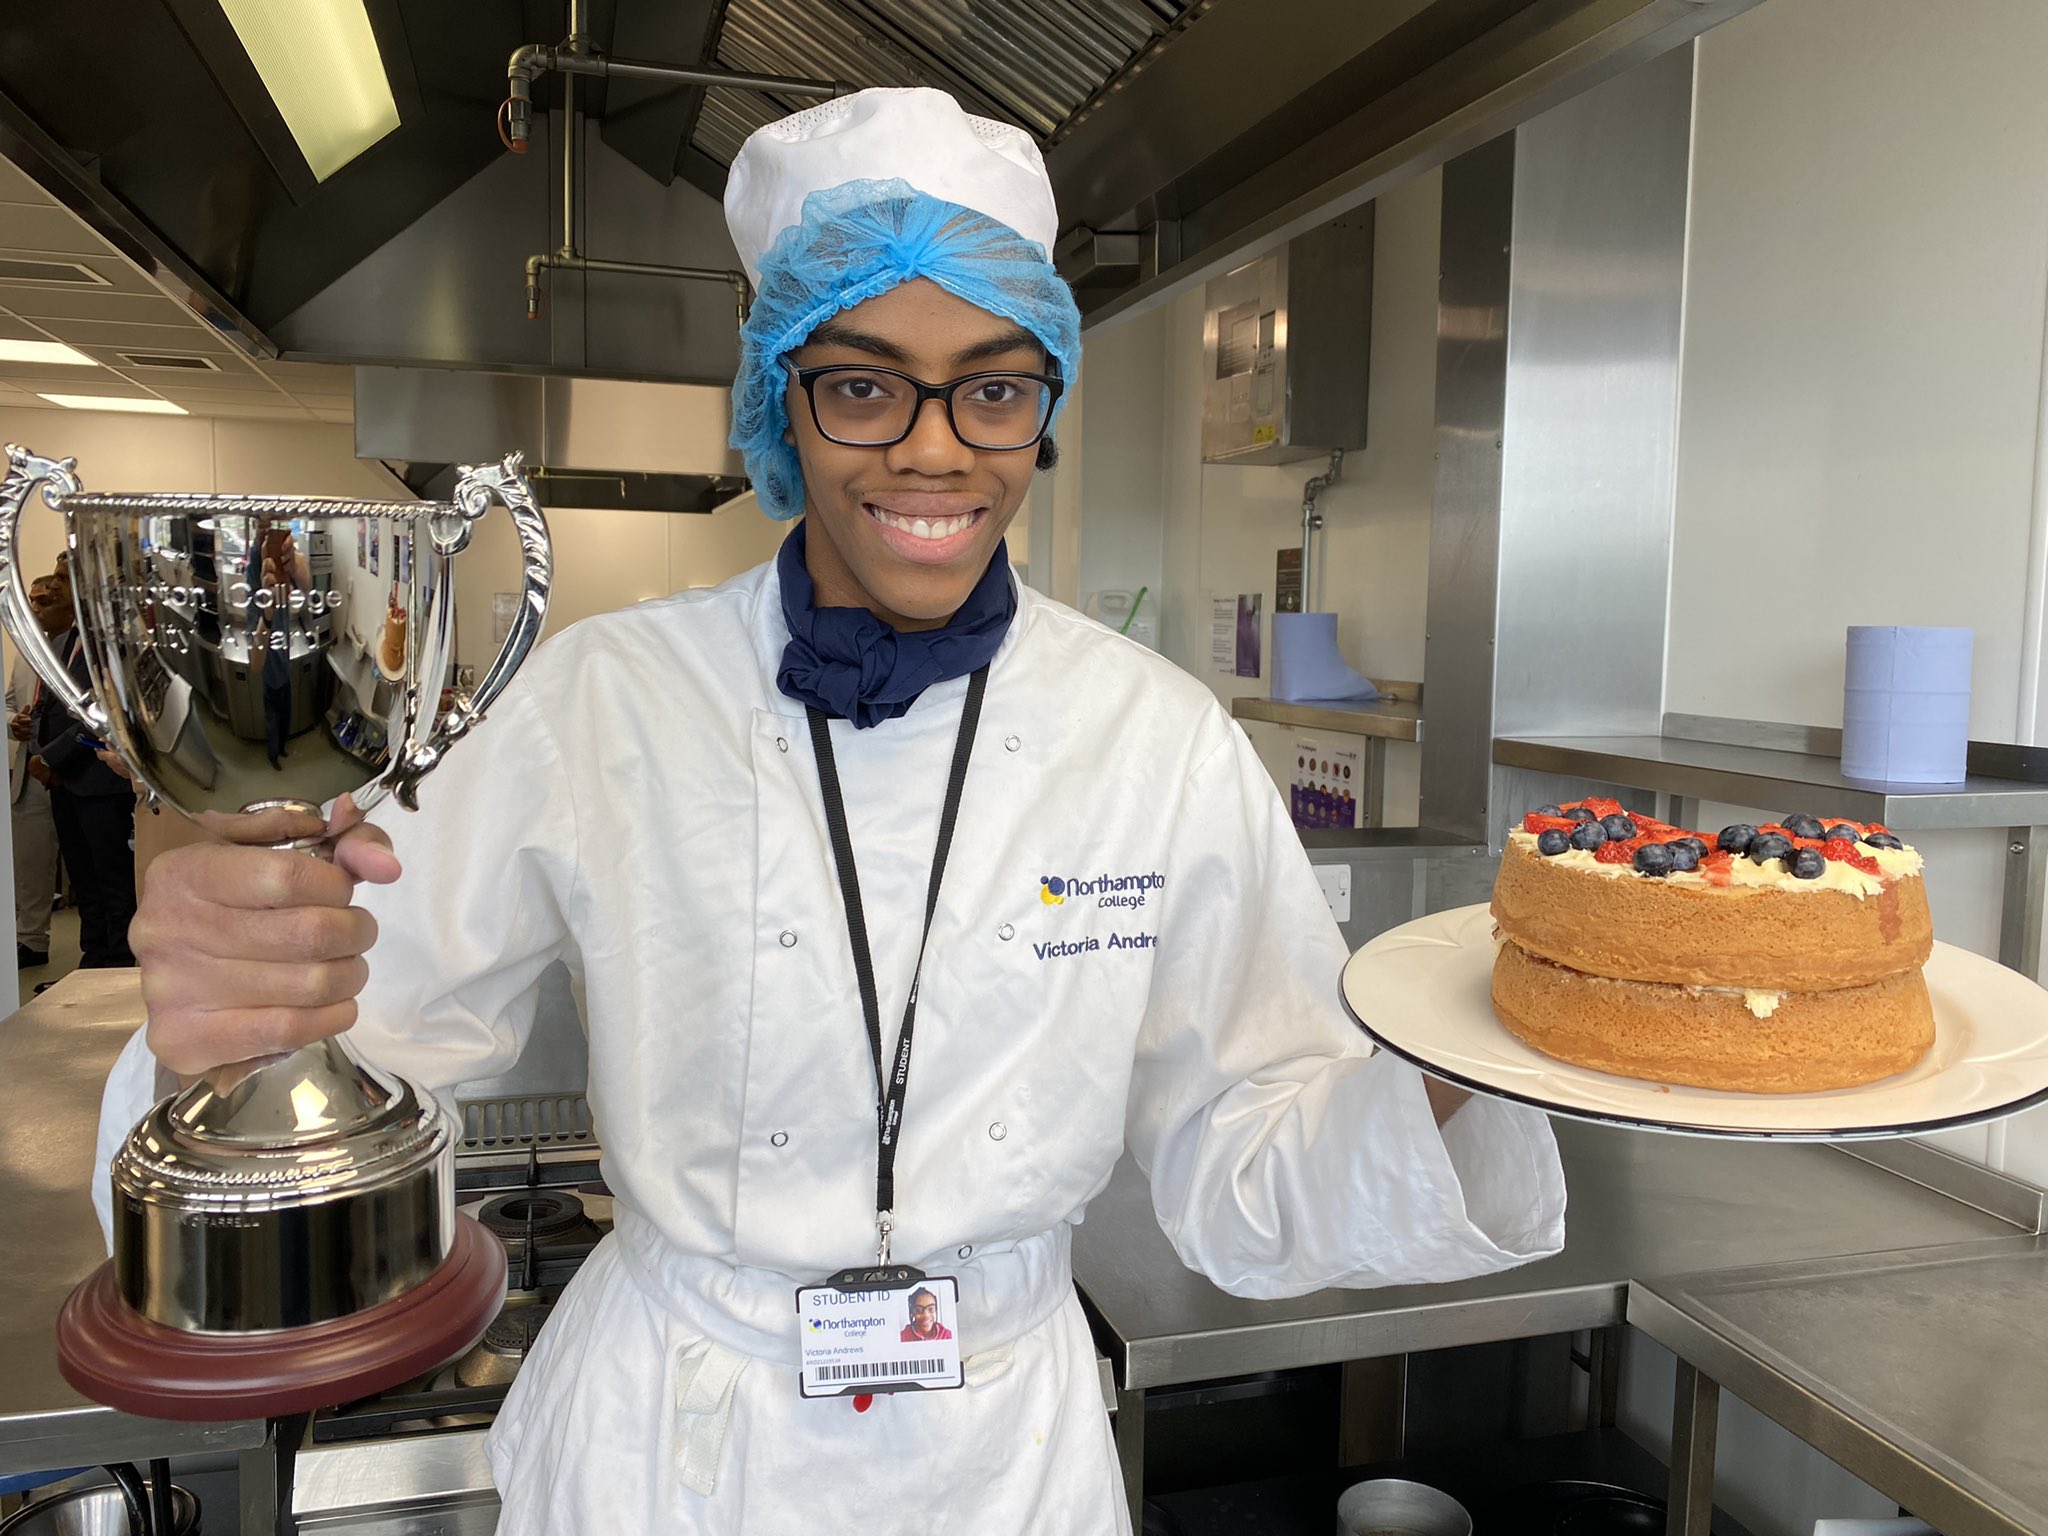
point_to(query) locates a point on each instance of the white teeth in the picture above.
(922, 527)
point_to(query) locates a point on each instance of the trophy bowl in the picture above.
(285, 1233)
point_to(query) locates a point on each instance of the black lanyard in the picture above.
(889, 1092)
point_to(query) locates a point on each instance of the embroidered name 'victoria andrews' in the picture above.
(1108, 890)
(1062, 949)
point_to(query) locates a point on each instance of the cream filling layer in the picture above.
(1760, 1002)
(1894, 863)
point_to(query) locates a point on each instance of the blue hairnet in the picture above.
(859, 240)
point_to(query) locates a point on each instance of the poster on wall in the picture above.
(376, 545)
(1223, 634)
(1248, 604)
(1324, 789)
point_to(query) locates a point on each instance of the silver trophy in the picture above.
(285, 1233)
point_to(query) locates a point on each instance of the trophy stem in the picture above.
(295, 1100)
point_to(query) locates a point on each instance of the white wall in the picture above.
(1863, 343)
(1862, 381)
(1149, 512)
(1861, 389)
(606, 560)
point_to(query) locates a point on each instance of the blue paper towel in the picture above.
(1306, 664)
(1906, 704)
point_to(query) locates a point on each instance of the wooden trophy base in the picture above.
(116, 1356)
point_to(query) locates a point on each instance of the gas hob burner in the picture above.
(495, 1360)
(547, 1214)
(513, 1330)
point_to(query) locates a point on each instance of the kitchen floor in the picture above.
(63, 953)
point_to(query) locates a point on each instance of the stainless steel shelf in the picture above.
(1914, 1370)
(1379, 719)
(1640, 1205)
(54, 1056)
(1779, 780)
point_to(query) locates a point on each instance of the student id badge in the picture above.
(879, 1329)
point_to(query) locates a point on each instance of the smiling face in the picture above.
(906, 531)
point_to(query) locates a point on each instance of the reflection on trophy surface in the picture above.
(284, 1232)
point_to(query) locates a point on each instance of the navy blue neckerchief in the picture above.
(849, 664)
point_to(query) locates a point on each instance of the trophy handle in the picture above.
(26, 471)
(482, 486)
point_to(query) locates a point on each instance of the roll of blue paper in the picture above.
(1906, 704)
(1306, 662)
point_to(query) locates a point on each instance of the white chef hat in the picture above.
(921, 137)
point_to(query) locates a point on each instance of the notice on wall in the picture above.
(504, 609)
(1324, 790)
(1223, 634)
(1248, 604)
(1287, 581)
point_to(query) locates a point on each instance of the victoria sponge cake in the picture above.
(1780, 958)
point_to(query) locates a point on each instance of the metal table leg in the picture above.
(1372, 1410)
(1679, 810)
(1372, 794)
(266, 1475)
(1696, 1403)
(2019, 919)
(1603, 1389)
(1130, 1450)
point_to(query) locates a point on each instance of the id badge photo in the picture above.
(879, 1330)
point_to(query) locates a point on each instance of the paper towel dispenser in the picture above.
(1287, 348)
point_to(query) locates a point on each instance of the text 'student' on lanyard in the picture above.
(890, 1090)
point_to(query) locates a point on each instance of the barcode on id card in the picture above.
(869, 1370)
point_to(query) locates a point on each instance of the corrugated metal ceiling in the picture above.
(1035, 63)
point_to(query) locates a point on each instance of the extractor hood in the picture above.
(608, 443)
(1182, 136)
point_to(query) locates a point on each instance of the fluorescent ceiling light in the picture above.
(319, 61)
(136, 403)
(44, 352)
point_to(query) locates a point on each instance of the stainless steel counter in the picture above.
(54, 1056)
(1920, 1372)
(1640, 1204)
(1391, 719)
(1395, 716)
(1763, 776)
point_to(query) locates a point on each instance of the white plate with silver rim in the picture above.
(1425, 992)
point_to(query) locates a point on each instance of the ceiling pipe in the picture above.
(579, 56)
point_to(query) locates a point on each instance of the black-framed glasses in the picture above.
(858, 406)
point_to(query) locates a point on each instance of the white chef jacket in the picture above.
(644, 804)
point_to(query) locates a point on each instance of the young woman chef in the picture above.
(872, 807)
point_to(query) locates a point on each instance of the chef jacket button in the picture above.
(967, 1250)
(788, 938)
(1011, 743)
(998, 1131)
(1006, 933)
(782, 743)
(779, 1139)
